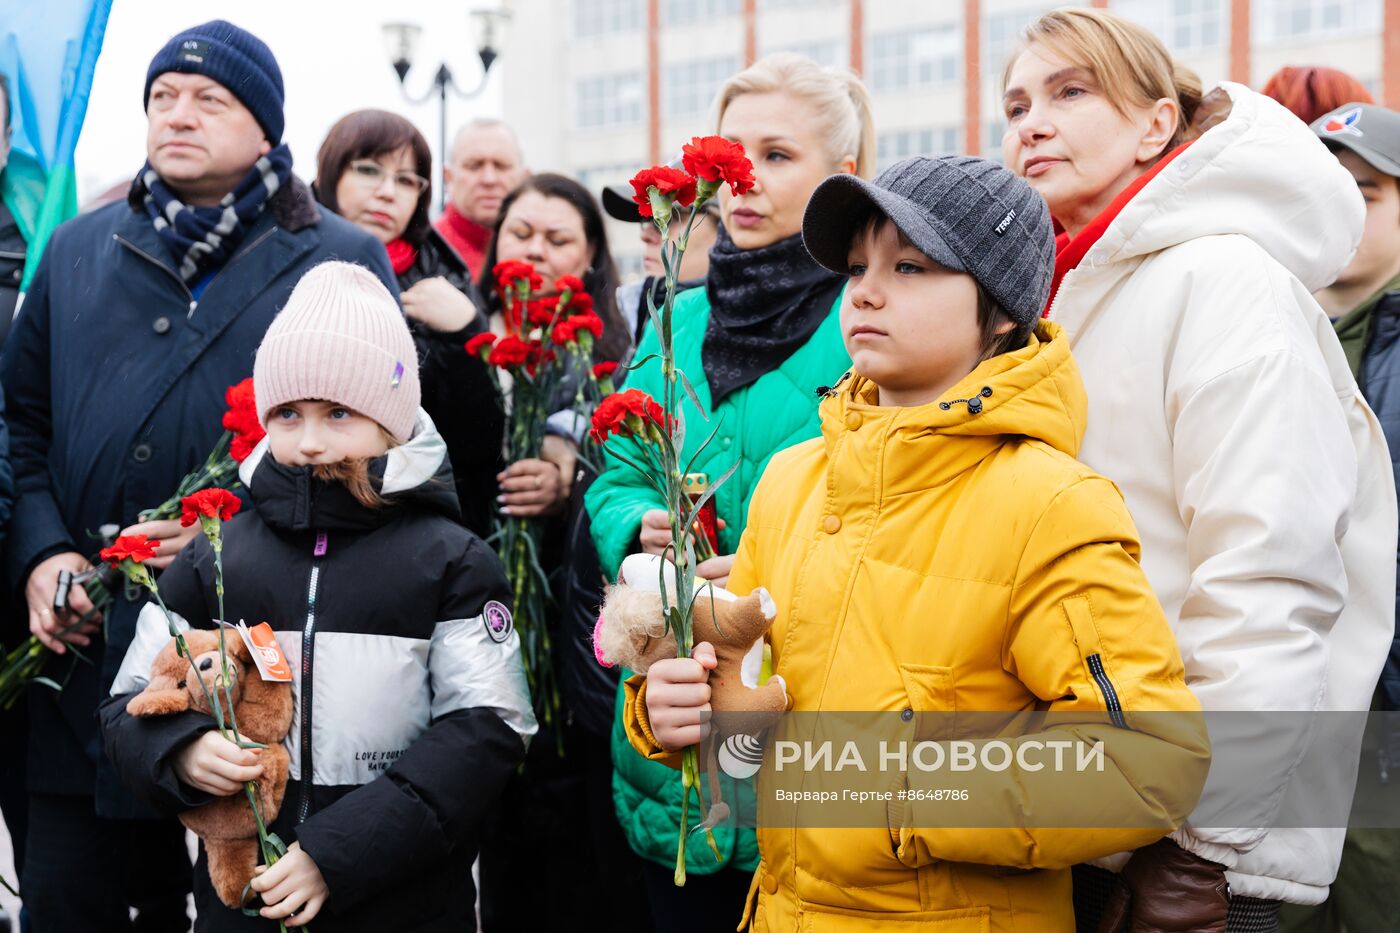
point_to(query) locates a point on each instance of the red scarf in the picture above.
(466, 236)
(402, 255)
(1068, 252)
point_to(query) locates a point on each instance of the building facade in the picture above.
(600, 88)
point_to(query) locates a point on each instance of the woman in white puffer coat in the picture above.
(1221, 403)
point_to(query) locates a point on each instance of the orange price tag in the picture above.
(267, 654)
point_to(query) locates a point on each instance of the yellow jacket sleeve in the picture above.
(638, 729)
(1087, 636)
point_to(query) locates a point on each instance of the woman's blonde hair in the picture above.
(1130, 64)
(839, 97)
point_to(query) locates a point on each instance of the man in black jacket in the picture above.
(138, 318)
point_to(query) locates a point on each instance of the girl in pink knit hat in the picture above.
(412, 709)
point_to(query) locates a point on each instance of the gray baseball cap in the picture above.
(1369, 131)
(967, 214)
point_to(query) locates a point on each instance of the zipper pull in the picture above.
(320, 549)
(190, 313)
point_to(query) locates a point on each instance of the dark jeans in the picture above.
(83, 873)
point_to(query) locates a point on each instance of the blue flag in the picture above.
(48, 50)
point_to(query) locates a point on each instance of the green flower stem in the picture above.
(678, 505)
(228, 730)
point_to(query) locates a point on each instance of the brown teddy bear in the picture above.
(263, 710)
(631, 632)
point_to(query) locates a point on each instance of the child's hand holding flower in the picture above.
(293, 889)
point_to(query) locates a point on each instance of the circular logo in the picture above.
(497, 620)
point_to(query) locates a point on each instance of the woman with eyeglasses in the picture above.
(373, 169)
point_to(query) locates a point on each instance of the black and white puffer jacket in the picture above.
(412, 709)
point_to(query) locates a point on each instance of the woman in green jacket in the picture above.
(757, 343)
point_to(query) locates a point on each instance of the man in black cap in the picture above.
(1364, 305)
(138, 318)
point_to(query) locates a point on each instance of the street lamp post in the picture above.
(401, 41)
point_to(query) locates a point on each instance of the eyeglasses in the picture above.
(371, 175)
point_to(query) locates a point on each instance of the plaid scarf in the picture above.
(203, 238)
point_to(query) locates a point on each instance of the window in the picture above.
(606, 17)
(595, 177)
(1001, 33)
(829, 54)
(926, 58)
(689, 87)
(992, 134)
(902, 144)
(609, 100)
(1293, 19)
(681, 12)
(629, 265)
(1184, 26)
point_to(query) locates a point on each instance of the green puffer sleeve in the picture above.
(619, 496)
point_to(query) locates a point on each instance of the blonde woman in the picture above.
(756, 342)
(1196, 229)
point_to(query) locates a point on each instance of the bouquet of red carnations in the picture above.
(548, 340)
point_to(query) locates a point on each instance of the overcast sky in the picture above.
(332, 57)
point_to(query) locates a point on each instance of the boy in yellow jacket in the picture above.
(940, 549)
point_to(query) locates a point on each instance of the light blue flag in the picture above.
(48, 50)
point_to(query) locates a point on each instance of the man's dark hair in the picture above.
(5, 95)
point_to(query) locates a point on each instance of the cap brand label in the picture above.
(193, 50)
(1005, 223)
(398, 375)
(1344, 123)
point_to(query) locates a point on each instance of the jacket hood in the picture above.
(416, 475)
(1035, 392)
(1255, 170)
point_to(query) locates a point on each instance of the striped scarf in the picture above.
(203, 238)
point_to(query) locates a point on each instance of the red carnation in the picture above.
(513, 271)
(565, 332)
(509, 352)
(208, 503)
(587, 321)
(477, 343)
(604, 370)
(716, 159)
(135, 548)
(541, 311)
(669, 182)
(631, 413)
(581, 301)
(568, 283)
(243, 419)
